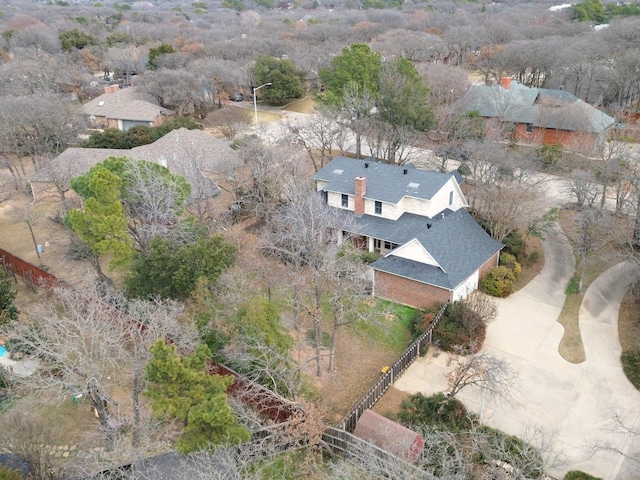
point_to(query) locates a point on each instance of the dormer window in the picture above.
(378, 208)
(345, 200)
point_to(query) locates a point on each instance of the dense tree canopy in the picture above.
(8, 311)
(358, 65)
(180, 388)
(285, 79)
(172, 269)
(126, 204)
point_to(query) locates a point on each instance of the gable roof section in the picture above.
(457, 243)
(541, 107)
(125, 104)
(385, 182)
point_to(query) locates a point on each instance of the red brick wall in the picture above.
(569, 140)
(492, 262)
(408, 292)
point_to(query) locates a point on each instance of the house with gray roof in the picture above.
(203, 160)
(124, 108)
(538, 116)
(431, 249)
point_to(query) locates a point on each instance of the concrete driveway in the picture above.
(570, 408)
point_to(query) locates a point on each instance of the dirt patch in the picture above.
(389, 404)
(533, 264)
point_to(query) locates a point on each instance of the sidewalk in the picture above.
(571, 404)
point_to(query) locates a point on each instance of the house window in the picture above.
(377, 243)
(390, 246)
(324, 195)
(378, 208)
(529, 127)
(450, 198)
(345, 200)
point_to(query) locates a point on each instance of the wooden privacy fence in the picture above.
(377, 461)
(389, 376)
(30, 273)
(260, 398)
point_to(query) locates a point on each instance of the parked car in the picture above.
(237, 97)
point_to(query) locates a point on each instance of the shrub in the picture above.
(631, 366)
(573, 286)
(419, 410)
(464, 170)
(369, 257)
(509, 261)
(578, 475)
(498, 282)
(510, 449)
(533, 257)
(514, 244)
(8, 474)
(464, 324)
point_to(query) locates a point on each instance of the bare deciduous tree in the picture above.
(583, 187)
(318, 135)
(86, 345)
(307, 234)
(492, 375)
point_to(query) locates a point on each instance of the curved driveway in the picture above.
(569, 407)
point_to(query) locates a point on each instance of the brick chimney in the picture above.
(360, 191)
(111, 88)
(505, 82)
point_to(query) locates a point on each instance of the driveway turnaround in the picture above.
(571, 410)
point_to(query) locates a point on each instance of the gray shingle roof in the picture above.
(456, 242)
(396, 231)
(184, 152)
(385, 182)
(125, 104)
(541, 107)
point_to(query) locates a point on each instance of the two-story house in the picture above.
(432, 250)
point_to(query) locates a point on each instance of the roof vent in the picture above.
(366, 164)
(100, 103)
(428, 226)
(413, 185)
(338, 171)
(405, 171)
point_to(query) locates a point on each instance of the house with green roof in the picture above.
(431, 248)
(538, 116)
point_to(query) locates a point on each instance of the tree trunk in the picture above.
(138, 386)
(99, 403)
(35, 243)
(332, 349)
(317, 326)
(636, 229)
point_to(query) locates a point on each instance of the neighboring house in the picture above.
(203, 160)
(123, 109)
(432, 250)
(539, 116)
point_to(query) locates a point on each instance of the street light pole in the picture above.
(255, 105)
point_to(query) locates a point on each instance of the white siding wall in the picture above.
(389, 210)
(419, 206)
(320, 185)
(413, 250)
(465, 288)
(440, 200)
(335, 200)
